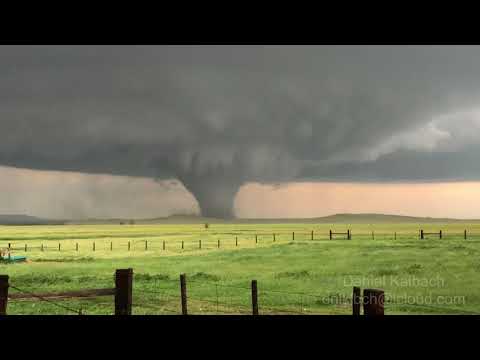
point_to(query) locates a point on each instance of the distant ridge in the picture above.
(19, 219)
(384, 218)
(172, 219)
(363, 219)
(331, 219)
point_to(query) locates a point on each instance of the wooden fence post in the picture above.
(356, 301)
(76, 246)
(111, 245)
(218, 243)
(183, 293)
(254, 298)
(293, 235)
(58, 246)
(199, 244)
(465, 234)
(182, 244)
(273, 237)
(256, 239)
(236, 241)
(395, 236)
(25, 247)
(349, 235)
(421, 234)
(129, 246)
(373, 302)
(42, 247)
(163, 244)
(330, 234)
(146, 245)
(373, 235)
(440, 234)
(123, 291)
(312, 234)
(3, 294)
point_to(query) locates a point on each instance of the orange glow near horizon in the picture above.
(55, 194)
(454, 199)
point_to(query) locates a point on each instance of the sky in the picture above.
(248, 131)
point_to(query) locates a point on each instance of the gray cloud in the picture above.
(217, 116)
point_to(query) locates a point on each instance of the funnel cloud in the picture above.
(216, 117)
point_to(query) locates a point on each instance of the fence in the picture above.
(224, 242)
(372, 300)
(122, 293)
(348, 234)
(439, 234)
(196, 294)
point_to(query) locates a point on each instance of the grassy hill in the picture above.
(19, 219)
(382, 218)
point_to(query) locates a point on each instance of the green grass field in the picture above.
(295, 276)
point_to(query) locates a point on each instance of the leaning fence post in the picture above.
(3, 294)
(123, 291)
(373, 302)
(356, 301)
(254, 298)
(183, 293)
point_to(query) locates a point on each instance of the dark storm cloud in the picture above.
(217, 116)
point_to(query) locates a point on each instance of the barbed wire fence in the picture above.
(234, 240)
(200, 296)
(41, 298)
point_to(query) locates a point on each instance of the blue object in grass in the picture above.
(13, 258)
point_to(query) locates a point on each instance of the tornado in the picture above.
(215, 194)
(213, 176)
(218, 117)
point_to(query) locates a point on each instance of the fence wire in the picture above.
(215, 298)
(228, 240)
(76, 311)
